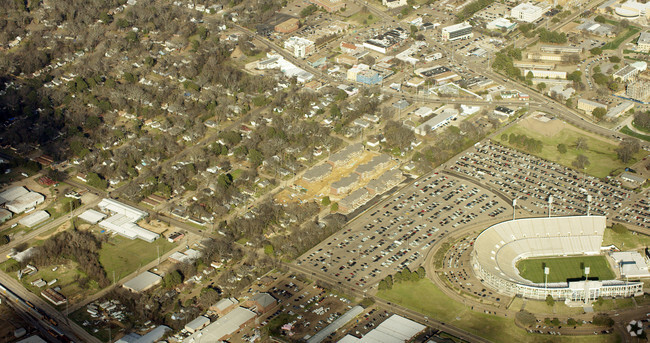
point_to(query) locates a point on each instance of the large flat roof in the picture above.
(223, 327)
(337, 324)
(143, 281)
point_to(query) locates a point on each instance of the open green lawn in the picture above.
(125, 256)
(362, 16)
(625, 241)
(626, 130)
(537, 306)
(425, 297)
(602, 155)
(563, 268)
(613, 45)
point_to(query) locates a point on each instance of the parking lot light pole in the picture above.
(588, 204)
(514, 208)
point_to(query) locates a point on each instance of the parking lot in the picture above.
(398, 232)
(532, 180)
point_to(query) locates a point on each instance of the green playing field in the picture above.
(563, 268)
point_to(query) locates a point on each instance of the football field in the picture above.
(563, 268)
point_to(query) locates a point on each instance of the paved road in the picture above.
(64, 324)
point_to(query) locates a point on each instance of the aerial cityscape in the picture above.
(383, 171)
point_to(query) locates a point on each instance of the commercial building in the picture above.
(25, 202)
(393, 3)
(299, 47)
(322, 335)
(350, 48)
(223, 327)
(499, 247)
(439, 74)
(288, 26)
(458, 31)
(34, 218)
(317, 173)
(503, 111)
(225, 305)
(561, 49)
(395, 329)
(588, 106)
(152, 336)
(197, 324)
(142, 282)
(526, 12)
(262, 302)
(423, 112)
(543, 74)
(501, 24)
(386, 42)
(123, 220)
(440, 120)
(643, 44)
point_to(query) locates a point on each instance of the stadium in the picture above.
(498, 249)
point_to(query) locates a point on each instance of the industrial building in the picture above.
(223, 327)
(92, 216)
(123, 220)
(526, 12)
(458, 31)
(4, 215)
(34, 219)
(25, 202)
(12, 193)
(142, 282)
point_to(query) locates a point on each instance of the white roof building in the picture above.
(437, 122)
(223, 327)
(631, 264)
(123, 221)
(526, 12)
(395, 329)
(12, 193)
(197, 324)
(92, 216)
(423, 112)
(143, 282)
(25, 202)
(34, 218)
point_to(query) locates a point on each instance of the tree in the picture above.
(526, 318)
(334, 207)
(549, 300)
(561, 148)
(599, 113)
(172, 279)
(627, 148)
(541, 86)
(581, 162)
(614, 59)
(581, 144)
(596, 51)
(325, 201)
(602, 319)
(94, 180)
(600, 19)
(4, 239)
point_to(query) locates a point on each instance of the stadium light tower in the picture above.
(550, 204)
(587, 269)
(588, 204)
(514, 208)
(547, 270)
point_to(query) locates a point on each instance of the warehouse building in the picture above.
(142, 282)
(223, 327)
(440, 120)
(92, 216)
(395, 329)
(34, 219)
(25, 202)
(123, 220)
(197, 324)
(12, 194)
(4, 215)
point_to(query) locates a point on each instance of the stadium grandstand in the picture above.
(498, 249)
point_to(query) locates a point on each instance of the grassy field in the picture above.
(535, 306)
(626, 130)
(601, 154)
(124, 256)
(625, 241)
(613, 45)
(563, 268)
(362, 16)
(426, 298)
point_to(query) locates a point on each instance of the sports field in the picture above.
(563, 268)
